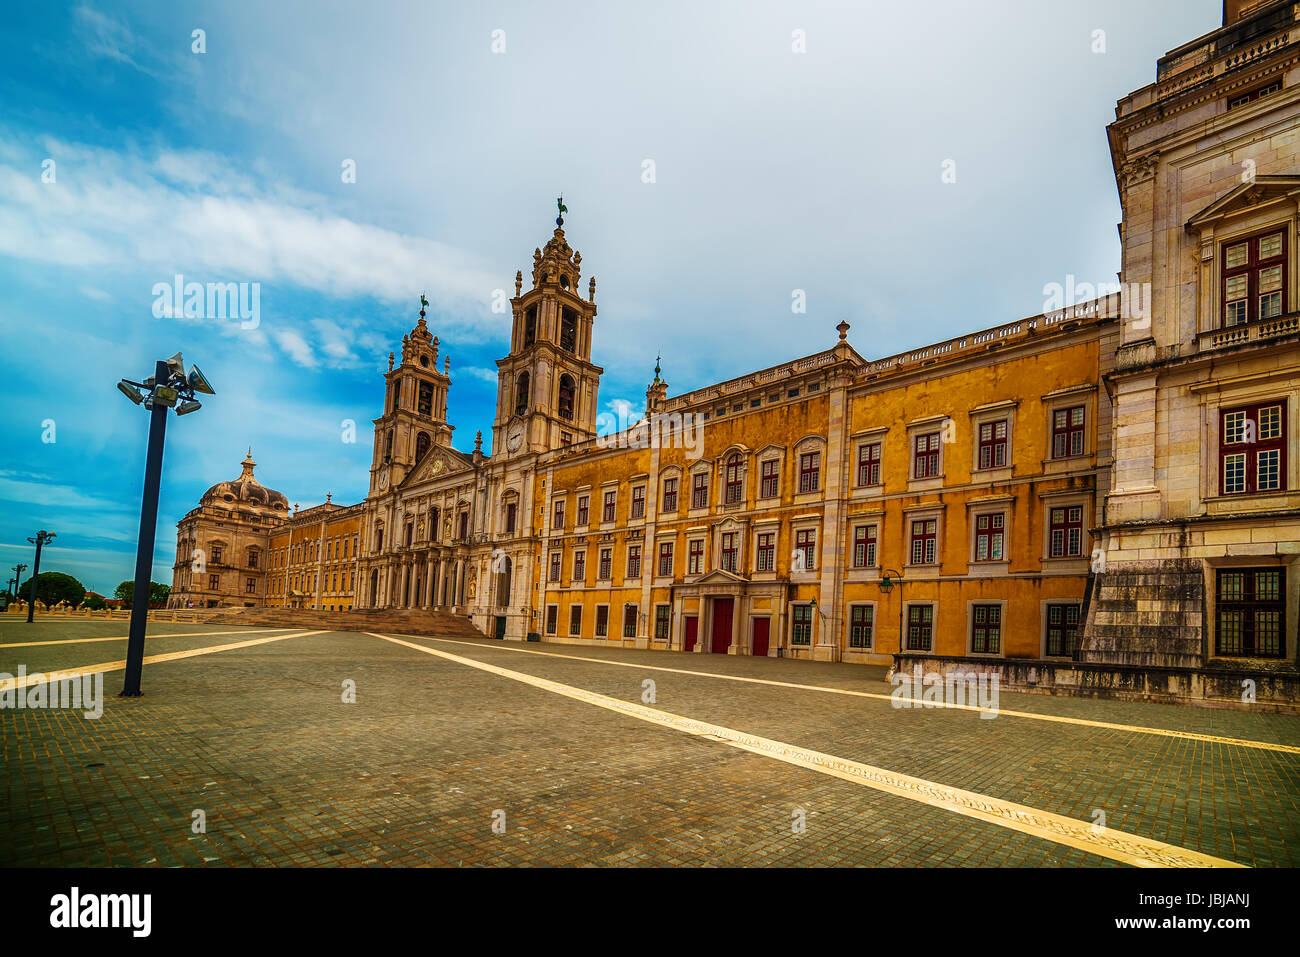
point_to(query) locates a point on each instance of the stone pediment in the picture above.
(437, 462)
(719, 577)
(1261, 191)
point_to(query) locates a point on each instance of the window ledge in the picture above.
(988, 569)
(1001, 473)
(927, 484)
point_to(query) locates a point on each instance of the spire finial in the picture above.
(478, 441)
(559, 204)
(327, 497)
(843, 329)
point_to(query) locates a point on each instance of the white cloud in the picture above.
(193, 213)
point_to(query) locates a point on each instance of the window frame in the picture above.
(1251, 451)
(1251, 269)
(1246, 604)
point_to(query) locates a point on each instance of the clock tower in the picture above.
(547, 385)
(415, 408)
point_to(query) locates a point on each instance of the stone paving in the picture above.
(433, 752)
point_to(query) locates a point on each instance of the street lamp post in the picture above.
(886, 585)
(17, 579)
(169, 387)
(41, 538)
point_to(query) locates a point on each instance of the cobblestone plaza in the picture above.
(477, 752)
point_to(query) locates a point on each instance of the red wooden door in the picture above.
(692, 628)
(721, 625)
(760, 635)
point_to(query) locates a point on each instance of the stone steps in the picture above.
(410, 621)
(1147, 614)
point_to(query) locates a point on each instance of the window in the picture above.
(869, 464)
(1254, 278)
(770, 486)
(638, 502)
(925, 463)
(521, 394)
(252, 558)
(861, 618)
(920, 627)
(250, 585)
(663, 620)
(670, 495)
(985, 629)
(611, 499)
(925, 535)
(512, 512)
(1252, 449)
(584, 511)
(810, 464)
(805, 548)
(665, 558)
(1067, 432)
(864, 546)
(580, 566)
(1251, 612)
(1241, 99)
(634, 561)
(695, 556)
(464, 522)
(530, 327)
(729, 551)
(766, 552)
(424, 405)
(558, 521)
(552, 619)
(993, 444)
(606, 560)
(988, 536)
(216, 555)
(1062, 630)
(214, 582)
(555, 566)
(566, 438)
(629, 621)
(1065, 531)
(699, 490)
(575, 620)
(801, 625)
(602, 621)
(732, 486)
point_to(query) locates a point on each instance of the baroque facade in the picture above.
(1102, 484)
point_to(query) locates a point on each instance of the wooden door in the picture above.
(721, 625)
(760, 635)
(692, 628)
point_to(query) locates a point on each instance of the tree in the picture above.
(54, 587)
(95, 603)
(158, 593)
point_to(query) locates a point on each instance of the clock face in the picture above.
(514, 437)
(383, 479)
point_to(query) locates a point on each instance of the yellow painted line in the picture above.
(1059, 719)
(37, 677)
(1105, 842)
(186, 634)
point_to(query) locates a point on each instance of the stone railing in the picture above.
(1251, 332)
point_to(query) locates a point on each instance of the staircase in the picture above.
(1147, 614)
(405, 621)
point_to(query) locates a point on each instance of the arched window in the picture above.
(521, 394)
(388, 445)
(530, 327)
(379, 538)
(422, 442)
(733, 479)
(569, 330)
(565, 407)
(425, 405)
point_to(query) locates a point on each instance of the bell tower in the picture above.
(547, 385)
(415, 408)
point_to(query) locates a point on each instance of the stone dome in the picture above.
(245, 490)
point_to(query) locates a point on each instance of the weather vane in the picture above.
(424, 303)
(559, 220)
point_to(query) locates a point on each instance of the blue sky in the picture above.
(774, 171)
